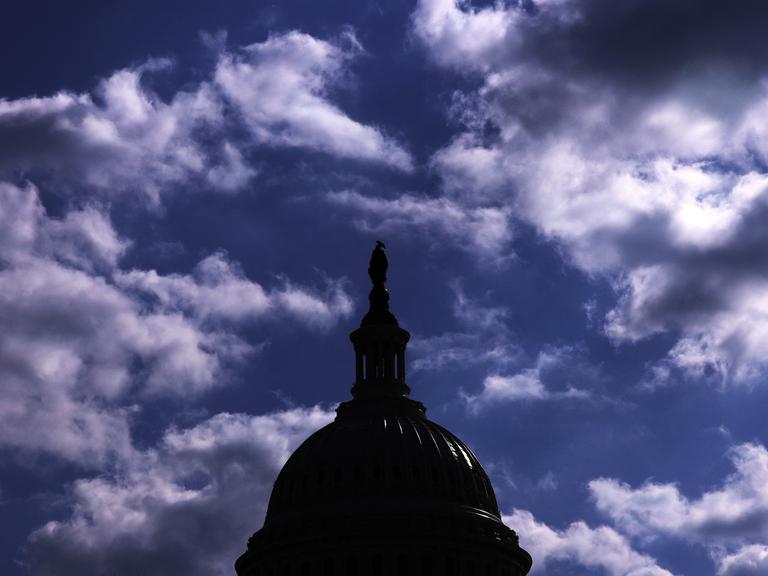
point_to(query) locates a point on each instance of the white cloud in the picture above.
(72, 357)
(218, 290)
(661, 191)
(522, 386)
(232, 173)
(280, 86)
(558, 374)
(459, 35)
(84, 238)
(215, 290)
(750, 560)
(155, 514)
(680, 242)
(465, 38)
(124, 138)
(471, 171)
(600, 547)
(78, 345)
(736, 513)
(485, 231)
(312, 308)
(84, 348)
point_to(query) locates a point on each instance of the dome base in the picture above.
(403, 537)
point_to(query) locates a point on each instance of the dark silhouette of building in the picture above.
(382, 490)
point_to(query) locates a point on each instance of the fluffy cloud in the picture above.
(588, 38)
(83, 238)
(121, 138)
(125, 138)
(662, 189)
(463, 38)
(751, 560)
(523, 386)
(558, 373)
(217, 290)
(186, 506)
(600, 547)
(77, 347)
(280, 87)
(77, 343)
(485, 231)
(89, 341)
(734, 513)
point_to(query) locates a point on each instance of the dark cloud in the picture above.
(660, 189)
(644, 43)
(187, 506)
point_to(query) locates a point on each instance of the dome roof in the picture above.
(382, 490)
(381, 455)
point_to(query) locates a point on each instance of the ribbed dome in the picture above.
(381, 456)
(382, 490)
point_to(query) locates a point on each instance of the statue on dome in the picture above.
(378, 312)
(377, 268)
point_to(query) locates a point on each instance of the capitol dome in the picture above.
(382, 490)
(389, 456)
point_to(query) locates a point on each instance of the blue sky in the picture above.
(574, 198)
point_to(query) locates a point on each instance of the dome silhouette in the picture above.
(381, 456)
(382, 490)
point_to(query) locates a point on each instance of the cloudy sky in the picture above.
(574, 197)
